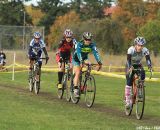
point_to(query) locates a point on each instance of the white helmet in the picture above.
(37, 35)
(68, 33)
(139, 41)
(87, 35)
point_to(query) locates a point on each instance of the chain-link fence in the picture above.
(17, 37)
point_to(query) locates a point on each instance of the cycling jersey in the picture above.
(134, 57)
(36, 48)
(82, 51)
(65, 49)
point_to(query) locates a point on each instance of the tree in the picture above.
(52, 9)
(150, 31)
(11, 13)
(60, 24)
(35, 13)
(90, 8)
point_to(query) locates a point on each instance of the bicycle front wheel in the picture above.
(31, 84)
(36, 86)
(90, 91)
(67, 88)
(74, 99)
(30, 80)
(140, 101)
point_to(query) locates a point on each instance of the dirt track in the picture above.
(149, 120)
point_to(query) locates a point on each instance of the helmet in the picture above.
(37, 35)
(87, 35)
(139, 41)
(68, 33)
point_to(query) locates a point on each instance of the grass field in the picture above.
(22, 110)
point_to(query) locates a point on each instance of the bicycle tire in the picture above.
(74, 99)
(67, 87)
(36, 87)
(31, 84)
(140, 109)
(90, 91)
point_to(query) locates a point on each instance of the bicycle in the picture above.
(34, 76)
(65, 82)
(137, 93)
(87, 86)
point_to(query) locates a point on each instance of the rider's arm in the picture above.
(45, 51)
(96, 54)
(60, 44)
(129, 60)
(4, 56)
(147, 55)
(148, 60)
(129, 56)
(43, 45)
(30, 47)
(79, 55)
(29, 50)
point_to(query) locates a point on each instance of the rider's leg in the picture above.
(128, 87)
(39, 71)
(60, 74)
(76, 70)
(143, 75)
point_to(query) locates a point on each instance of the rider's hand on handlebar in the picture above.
(87, 62)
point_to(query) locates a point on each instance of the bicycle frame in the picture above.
(66, 77)
(34, 80)
(87, 74)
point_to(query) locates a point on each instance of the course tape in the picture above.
(107, 74)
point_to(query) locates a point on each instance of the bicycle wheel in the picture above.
(31, 84)
(90, 91)
(140, 101)
(36, 87)
(74, 99)
(67, 88)
(128, 110)
(60, 91)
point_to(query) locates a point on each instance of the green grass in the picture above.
(22, 110)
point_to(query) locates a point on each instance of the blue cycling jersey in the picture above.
(82, 51)
(36, 48)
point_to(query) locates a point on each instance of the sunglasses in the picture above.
(36, 38)
(87, 39)
(69, 37)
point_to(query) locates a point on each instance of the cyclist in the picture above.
(2, 59)
(36, 47)
(65, 48)
(84, 47)
(134, 56)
